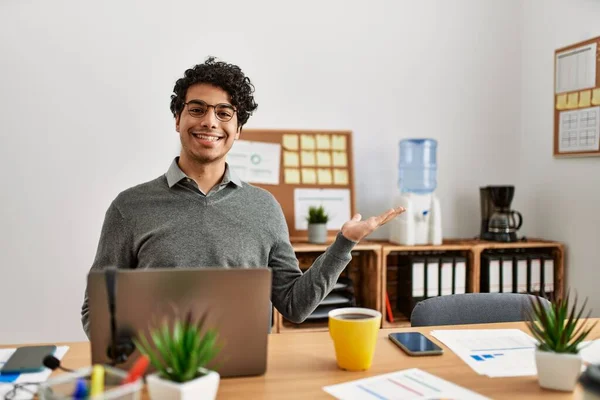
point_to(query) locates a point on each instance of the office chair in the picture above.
(472, 308)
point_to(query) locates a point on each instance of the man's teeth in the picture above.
(204, 137)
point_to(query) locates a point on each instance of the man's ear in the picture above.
(239, 131)
(177, 118)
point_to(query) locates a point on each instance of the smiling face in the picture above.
(207, 139)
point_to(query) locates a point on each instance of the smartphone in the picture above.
(415, 344)
(27, 359)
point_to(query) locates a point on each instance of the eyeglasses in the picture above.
(198, 109)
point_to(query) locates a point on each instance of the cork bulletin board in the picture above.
(300, 168)
(577, 99)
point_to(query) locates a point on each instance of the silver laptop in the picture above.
(235, 301)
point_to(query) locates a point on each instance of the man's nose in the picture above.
(209, 119)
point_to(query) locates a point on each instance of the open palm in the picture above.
(355, 229)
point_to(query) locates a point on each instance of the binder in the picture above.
(460, 275)
(433, 276)
(521, 272)
(490, 273)
(535, 273)
(411, 282)
(446, 272)
(507, 272)
(548, 275)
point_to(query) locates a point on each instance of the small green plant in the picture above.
(179, 348)
(555, 327)
(317, 215)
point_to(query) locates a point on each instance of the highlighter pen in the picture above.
(97, 380)
(137, 369)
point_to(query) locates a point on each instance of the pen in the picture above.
(97, 380)
(137, 370)
(81, 390)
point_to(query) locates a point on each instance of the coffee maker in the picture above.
(498, 222)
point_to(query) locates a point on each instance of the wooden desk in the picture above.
(300, 364)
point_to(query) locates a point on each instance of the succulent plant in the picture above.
(317, 215)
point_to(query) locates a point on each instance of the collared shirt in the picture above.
(175, 175)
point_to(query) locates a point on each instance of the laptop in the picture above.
(236, 301)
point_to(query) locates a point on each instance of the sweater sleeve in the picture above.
(295, 294)
(115, 248)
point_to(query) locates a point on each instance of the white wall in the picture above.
(563, 194)
(85, 112)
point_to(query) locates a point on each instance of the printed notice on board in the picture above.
(255, 162)
(336, 203)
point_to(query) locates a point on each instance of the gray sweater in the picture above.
(169, 222)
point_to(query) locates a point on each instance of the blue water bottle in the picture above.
(418, 166)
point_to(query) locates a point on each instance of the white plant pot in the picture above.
(558, 371)
(317, 233)
(204, 387)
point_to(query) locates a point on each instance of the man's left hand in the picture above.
(355, 229)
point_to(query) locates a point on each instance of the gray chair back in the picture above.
(472, 308)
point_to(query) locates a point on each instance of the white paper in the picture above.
(579, 130)
(336, 203)
(492, 352)
(406, 384)
(255, 162)
(37, 377)
(576, 69)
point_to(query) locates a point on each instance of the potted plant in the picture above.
(317, 224)
(180, 351)
(560, 331)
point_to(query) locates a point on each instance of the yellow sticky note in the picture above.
(572, 100)
(307, 142)
(324, 176)
(585, 98)
(596, 97)
(290, 142)
(340, 176)
(323, 142)
(308, 176)
(339, 159)
(290, 159)
(561, 101)
(338, 142)
(308, 158)
(323, 159)
(292, 175)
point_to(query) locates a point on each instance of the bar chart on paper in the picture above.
(401, 385)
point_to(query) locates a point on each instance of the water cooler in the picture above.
(421, 223)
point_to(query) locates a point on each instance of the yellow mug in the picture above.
(354, 333)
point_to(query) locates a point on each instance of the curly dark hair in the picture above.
(228, 77)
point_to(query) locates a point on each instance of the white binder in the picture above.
(433, 277)
(548, 275)
(446, 276)
(521, 275)
(418, 278)
(507, 275)
(460, 275)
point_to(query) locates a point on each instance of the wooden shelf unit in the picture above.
(368, 270)
(472, 251)
(364, 269)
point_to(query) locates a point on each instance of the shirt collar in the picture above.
(175, 174)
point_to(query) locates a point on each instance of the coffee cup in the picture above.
(354, 332)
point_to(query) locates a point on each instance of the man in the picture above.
(200, 214)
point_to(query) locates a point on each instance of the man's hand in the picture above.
(355, 229)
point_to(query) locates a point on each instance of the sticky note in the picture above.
(307, 142)
(323, 159)
(561, 101)
(308, 158)
(290, 159)
(339, 159)
(323, 142)
(338, 142)
(340, 176)
(308, 176)
(572, 100)
(290, 142)
(585, 98)
(596, 97)
(292, 175)
(324, 176)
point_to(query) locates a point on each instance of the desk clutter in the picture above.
(342, 295)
